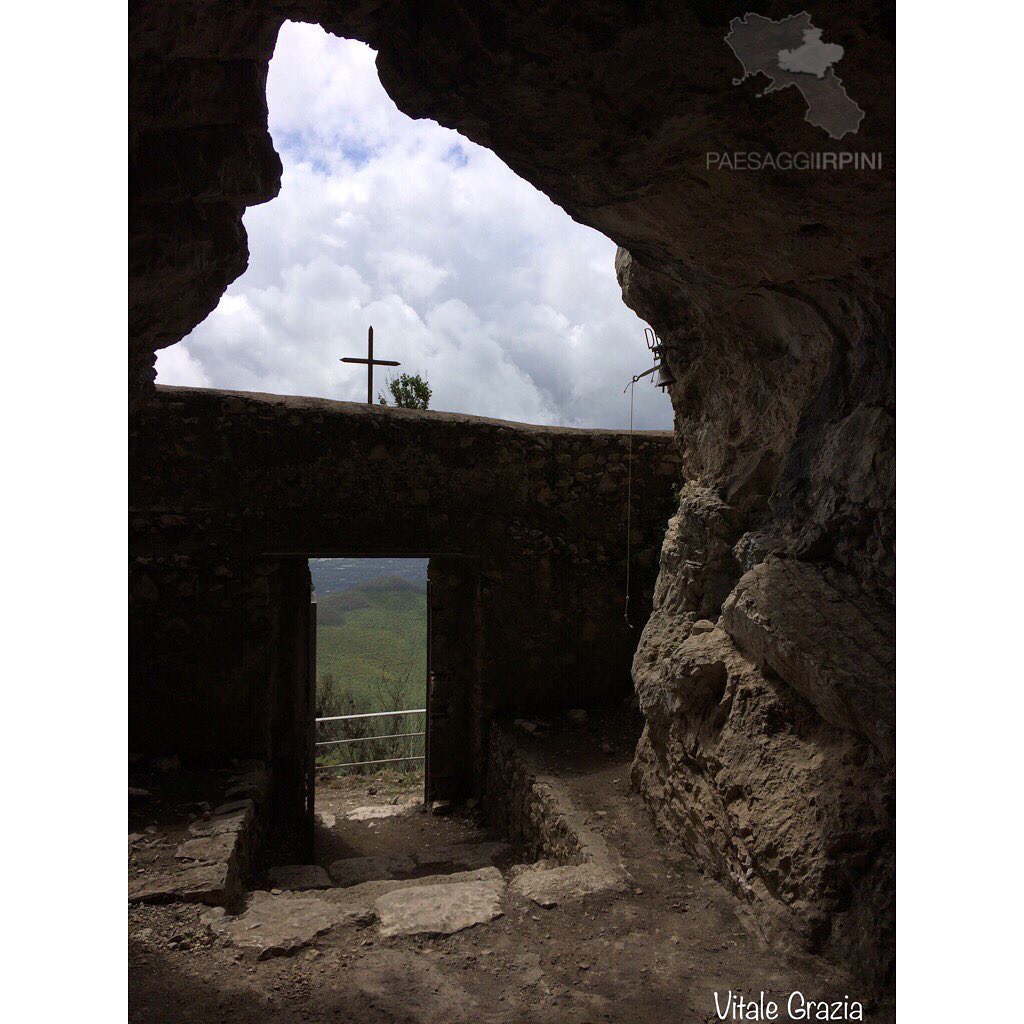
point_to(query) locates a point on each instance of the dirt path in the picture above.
(655, 954)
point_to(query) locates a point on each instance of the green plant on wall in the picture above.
(408, 391)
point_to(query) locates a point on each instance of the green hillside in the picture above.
(371, 656)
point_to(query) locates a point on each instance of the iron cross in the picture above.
(370, 364)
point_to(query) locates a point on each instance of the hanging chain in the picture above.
(629, 497)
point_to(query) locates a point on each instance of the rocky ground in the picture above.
(654, 952)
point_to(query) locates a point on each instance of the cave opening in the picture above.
(471, 277)
(773, 603)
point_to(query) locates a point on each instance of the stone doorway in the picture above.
(391, 730)
(396, 638)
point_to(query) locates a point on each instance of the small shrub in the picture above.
(408, 391)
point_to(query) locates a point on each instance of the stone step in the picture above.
(366, 894)
(297, 877)
(280, 924)
(458, 856)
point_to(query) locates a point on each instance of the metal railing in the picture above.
(369, 739)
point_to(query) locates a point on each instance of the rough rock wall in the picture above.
(770, 738)
(767, 671)
(199, 154)
(774, 292)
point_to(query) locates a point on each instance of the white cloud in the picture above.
(177, 365)
(468, 274)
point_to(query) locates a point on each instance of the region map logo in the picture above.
(792, 52)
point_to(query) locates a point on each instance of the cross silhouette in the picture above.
(370, 364)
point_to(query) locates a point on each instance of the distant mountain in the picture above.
(366, 633)
(394, 582)
(392, 593)
(335, 575)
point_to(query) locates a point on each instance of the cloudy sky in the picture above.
(469, 275)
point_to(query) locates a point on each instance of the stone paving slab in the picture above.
(353, 870)
(298, 877)
(215, 884)
(466, 856)
(367, 893)
(439, 909)
(208, 849)
(373, 812)
(278, 925)
(549, 886)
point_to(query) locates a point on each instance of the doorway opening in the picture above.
(371, 670)
(373, 712)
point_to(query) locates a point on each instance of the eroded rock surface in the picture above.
(831, 642)
(792, 813)
(769, 742)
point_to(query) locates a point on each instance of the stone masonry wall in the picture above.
(536, 810)
(218, 650)
(525, 527)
